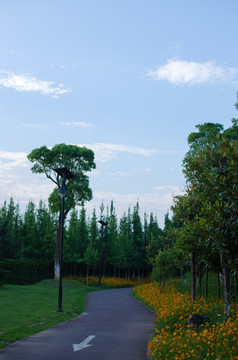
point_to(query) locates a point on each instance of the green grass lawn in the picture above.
(28, 309)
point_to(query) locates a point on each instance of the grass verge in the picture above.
(28, 309)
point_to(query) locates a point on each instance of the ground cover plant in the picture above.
(28, 309)
(175, 339)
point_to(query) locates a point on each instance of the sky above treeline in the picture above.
(129, 79)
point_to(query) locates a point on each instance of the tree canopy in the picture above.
(77, 159)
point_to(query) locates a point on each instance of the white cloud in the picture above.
(119, 173)
(9, 160)
(180, 72)
(27, 82)
(174, 188)
(18, 181)
(75, 123)
(106, 152)
(36, 126)
(122, 173)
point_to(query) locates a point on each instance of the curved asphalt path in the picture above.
(120, 325)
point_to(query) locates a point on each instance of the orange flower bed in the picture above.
(110, 282)
(174, 339)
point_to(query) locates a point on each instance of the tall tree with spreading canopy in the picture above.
(220, 212)
(210, 167)
(77, 159)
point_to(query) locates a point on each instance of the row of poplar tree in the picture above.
(27, 242)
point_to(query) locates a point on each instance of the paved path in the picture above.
(115, 325)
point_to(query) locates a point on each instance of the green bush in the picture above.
(24, 271)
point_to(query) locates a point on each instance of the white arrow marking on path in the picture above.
(83, 344)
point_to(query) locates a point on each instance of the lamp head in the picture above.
(62, 193)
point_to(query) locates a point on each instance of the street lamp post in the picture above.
(103, 224)
(65, 173)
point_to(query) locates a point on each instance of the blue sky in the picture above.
(129, 79)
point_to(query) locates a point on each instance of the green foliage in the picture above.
(91, 255)
(137, 239)
(165, 265)
(206, 133)
(220, 212)
(26, 243)
(125, 238)
(77, 159)
(116, 253)
(10, 229)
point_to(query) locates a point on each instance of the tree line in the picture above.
(27, 242)
(203, 231)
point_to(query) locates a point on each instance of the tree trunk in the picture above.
(57, 250)
(200, 273)
(193, 275)
(227, 307)
(58, 243)
(206, 282)
(219, 285)
(236, 288)
(87, 274)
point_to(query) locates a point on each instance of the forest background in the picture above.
(27, 243)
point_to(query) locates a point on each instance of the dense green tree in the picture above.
(185, 208)
(93, 230)
(90, 257)
(125, 239)
(71, 243)
(165, 266)
(8, 230)
(93, 238)
(210, 167)
(138, 241)
(83, 232)
(154, 242)
(37, 232)
(46, 228)
(30, 242)
(206, 133)
(104, 241)
(220, 211)
(116, 250)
